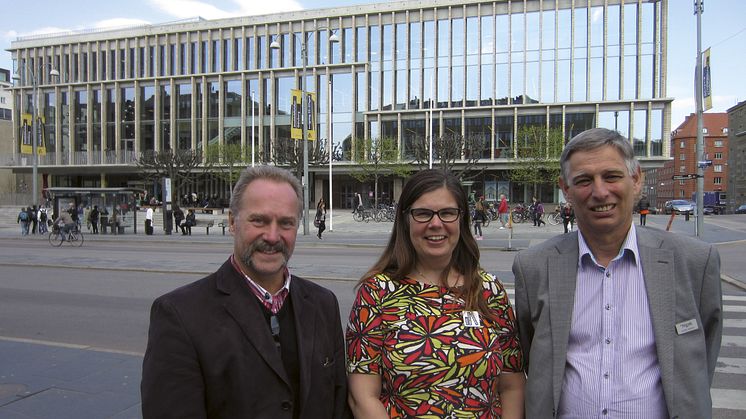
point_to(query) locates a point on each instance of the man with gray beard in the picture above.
(250, 340)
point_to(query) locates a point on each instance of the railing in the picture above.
(78, 158)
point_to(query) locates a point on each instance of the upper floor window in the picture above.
(725, 130)
(718, 168)
(718, 143)
(682, 156)
(718, 155)
(704, 130)
(681, 145)
(718, 181)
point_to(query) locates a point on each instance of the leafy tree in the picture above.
(452, 152)
(538, 151)
(227, 161)
(174, 164)
(376, 158)
(289, 153)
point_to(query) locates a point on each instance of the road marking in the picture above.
(731, 365)
(734, 309)
(735, 323)
(68, 345)
(734, 298)
(728, 399)
(734, 341)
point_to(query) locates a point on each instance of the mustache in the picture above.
(262, 246)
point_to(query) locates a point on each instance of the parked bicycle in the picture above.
(555, 217)
(74, 237)
(520, 214)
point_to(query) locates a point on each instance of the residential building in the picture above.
(407, 71)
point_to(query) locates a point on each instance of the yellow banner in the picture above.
(310, 106)
(27, 135)
(296, 124)
(706, 81)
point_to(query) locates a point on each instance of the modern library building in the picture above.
(406, 72)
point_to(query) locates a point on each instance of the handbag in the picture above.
(316, 223)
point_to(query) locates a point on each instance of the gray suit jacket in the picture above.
(682, 278)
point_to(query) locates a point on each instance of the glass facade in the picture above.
(482, 69)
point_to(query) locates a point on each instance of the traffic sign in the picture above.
(704, 163)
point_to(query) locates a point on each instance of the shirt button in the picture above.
(605, 412)
(608, 306)
(286, 405)
(608, 274)
(606, 375)
(608, 341)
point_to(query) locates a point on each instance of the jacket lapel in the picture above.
(305, 326)
(562, 269)
(244, 308)
(660, 284)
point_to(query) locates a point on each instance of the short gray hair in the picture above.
(596, 138)
(272, 173)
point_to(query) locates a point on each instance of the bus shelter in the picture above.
(108, 200)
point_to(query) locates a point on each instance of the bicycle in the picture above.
(555, 217)
(74, 237)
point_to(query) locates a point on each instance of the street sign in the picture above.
(704, 163)
(685, 177)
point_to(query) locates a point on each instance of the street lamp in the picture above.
(34, 122)
(304, 58)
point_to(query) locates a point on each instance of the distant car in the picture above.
(741, 209)
(709, 210)
(679, 206)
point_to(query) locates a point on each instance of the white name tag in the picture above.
(687, 326)
(471, 319)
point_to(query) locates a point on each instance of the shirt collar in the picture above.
(259, 288)
(628, 246)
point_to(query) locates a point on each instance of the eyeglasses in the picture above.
(274, 324)
(424, 215)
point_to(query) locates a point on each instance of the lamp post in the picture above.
(699, 8)
(253, 143)
(34, 123)
(304, 122)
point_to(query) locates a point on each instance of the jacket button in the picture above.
(286, 405)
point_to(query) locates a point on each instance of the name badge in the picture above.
(471, 319)
(686, 327)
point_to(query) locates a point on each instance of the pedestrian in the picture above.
(643, 207)
(43, 219)
(149, 221)
(479, 215)
(537, 212)
(358, 206)
(431, 334)
(114, 221)
(251, 340)
(179, 219)
(320, 219)
(23, 219)
(616, 321)
(87, 218)
(34, 219)
(503, 211)
(568, 216)
(92, 219)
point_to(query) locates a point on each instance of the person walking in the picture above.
(189, 222)
(34, 219)
(616, 321)
(92, 219)
(179, 219)
(478, 220)
(537, 212)
(24, 220)
(503, 211)
(250, 340)
(43, 219)
(149, 221)
(320, 219)
(568, 216)
(644, 208)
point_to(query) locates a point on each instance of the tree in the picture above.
(453, 153)
(289, 153)
(538, 151)
(174, 164)
(376, 158)
(227, 161)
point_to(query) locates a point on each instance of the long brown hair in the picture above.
(399, 257)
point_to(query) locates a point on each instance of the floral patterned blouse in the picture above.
(431, 365)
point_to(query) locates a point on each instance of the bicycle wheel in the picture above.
(554, 218)
(486, 221)
(55, 239)
(517, 217)
(357, 216)
(76, 239)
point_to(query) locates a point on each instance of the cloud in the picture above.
(182, 9)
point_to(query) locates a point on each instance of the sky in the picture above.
(723, 30)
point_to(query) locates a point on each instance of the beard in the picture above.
(263, 246)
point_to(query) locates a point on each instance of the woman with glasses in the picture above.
(431, 334)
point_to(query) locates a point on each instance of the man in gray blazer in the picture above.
(250, 340)
(616, 321)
